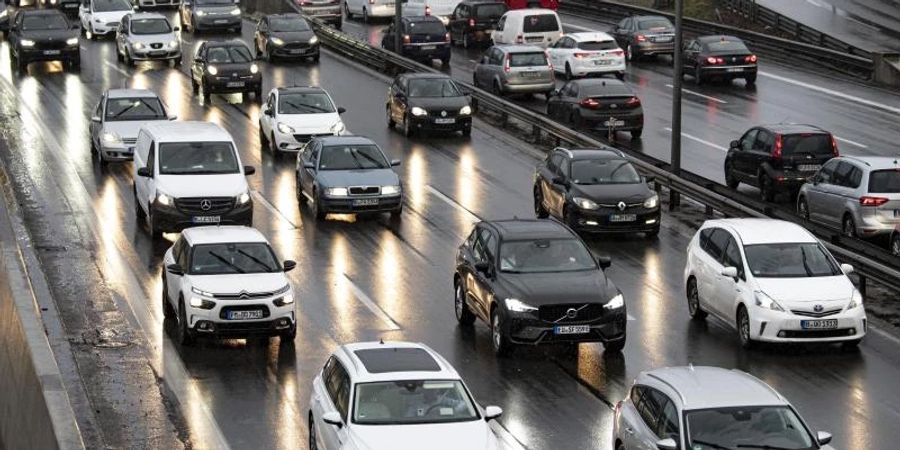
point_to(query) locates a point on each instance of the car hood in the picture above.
(109, 16)
(225, 185)
(613, 193)
(368, 177)
(236, 283)
(294, 36)
(474, 435)
(128, 128)
(310, 123)
(43, 35)
(539, 289)
(152, 38)
(432, 103)
(802, 290)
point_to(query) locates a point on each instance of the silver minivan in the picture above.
(514, 69)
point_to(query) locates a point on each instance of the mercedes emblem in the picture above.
(205, 204)
(621, 206)
(613, 106)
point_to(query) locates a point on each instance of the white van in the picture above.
(442, 9)
(540, 27)
(189, 173)
(369, 8)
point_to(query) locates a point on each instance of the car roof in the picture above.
(792, 128)
(351, 140)
(590, 36)
(529, 229)
(187, 131)
(875, 162)
(386, 361)
(701, 387)
(147, 15)
(764, 231)
(419, 75)
(717, 37)
(530, 12)
(130, 93)
(222, 234)
(483, 2)
(520, 48)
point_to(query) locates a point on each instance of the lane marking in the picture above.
(688, 91)
(842, 95)
(272, 208)
(848, 141)
(702, 141)
(115, 67)
(366, 300)
(630, 317)
(506, 438)
(885, 334)
(451, 202)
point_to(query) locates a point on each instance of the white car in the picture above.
(226, 282)
(147, 37)
(369, 8)
(118, 117)
(290, 117)
(583, 54)
(442, 9)
(102, 17)
(531, 26)
(395, 396)
(773, 281)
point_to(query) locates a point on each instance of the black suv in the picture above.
(595, 190)
(422, 38)
(778, 158)
(428, 101)
(536, 282)
(43, 35)
(473, 21)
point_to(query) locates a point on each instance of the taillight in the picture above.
(406, 39)
(640, 38)
(471, 22)
(713, 60)
(834, 147)
(617, 53)
(427, 10)
(633, 102)
(520, 39)
(750, 59)
(778, 145)
(872, 201)
(506, 63)
(371, 2)
(447, 37)
(582, 55)
(589, 103)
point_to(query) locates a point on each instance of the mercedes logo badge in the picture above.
(621, 206)
(205, 204)
(571, 313)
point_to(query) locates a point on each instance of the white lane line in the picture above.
(366, 300)
(688, 91)
(507, 440)
(848, 141)
(884, 334)
(451, 202)
(116, 68)
(259, 197)
(702, 141)
(842, 95)
(630, 317)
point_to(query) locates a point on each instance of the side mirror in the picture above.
(333, 418)
(482, 266)
(289, 265)
(666, 444)
(605, 262)
(95, 119)
(175, 269)
(823, 437)
(492, 412)
(341, 110)
(395, 162)
(145, 172)
(176, 29)
(650, 179)
(173, 117)
(847, 269)
(268, 111)
(554, 93)
(249, 170)
(735, 144)
(730, 272)
(309, 165)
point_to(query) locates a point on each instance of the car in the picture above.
(473, 21)
(369, 9)
(697, 407)
(428, 101)
(422, 39)
(537, 27)
(587, 53)
(720, 57)
(102, 17)
(328, 11)
(147, 37)
(292, 116)
(43, 35)
(146, 4)
(204, 15)
(595, 190)
(347, 175)
(6, 10)
(395, 395)
(224, 281)
(118, 117)
(514, 69)
(773, 281)
(778, 158)
(68, 7)
(521, 4)
(645, 35)
(224, 67)
(285, 36)
(535, 282)
(609, 105)
(442, 9)
(859, 194)
(189, 174)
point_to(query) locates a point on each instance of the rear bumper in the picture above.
(600, 119)
(154, 3)
(441, 50)
(380, 10)
(588, 67)
(522, 88)
(654, 48)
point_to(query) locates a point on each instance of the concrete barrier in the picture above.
(887, 68)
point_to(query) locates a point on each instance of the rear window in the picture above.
(813, 144)
(609, 90)
(653, 24)
(540, 23)
(726, 46)
(489, 12)
(527, 59)
(885, 181)
(430, 27)
(597, 45)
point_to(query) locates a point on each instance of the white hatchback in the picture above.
(773, 281)
(292, 116)
(589, 53)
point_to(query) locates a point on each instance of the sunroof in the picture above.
(382, 360)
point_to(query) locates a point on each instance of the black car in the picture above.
(720, 57)
(645, 35)
(202, 15)
(225, 67)
(328, 11)
(607, 104)
(5, 11)
(421, 38)
(43, 35)
(536, 282)
(473, 21)
(285, 36)
(595, 190)
(778, 158)
(428, 101)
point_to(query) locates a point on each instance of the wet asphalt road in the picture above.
(253, 394)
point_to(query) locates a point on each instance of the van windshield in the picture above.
(540, 23)
(197, 158)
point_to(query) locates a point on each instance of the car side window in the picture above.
(624, 24)
(501, 23)
(668, 421)
(732, 256)
(826, 173)
(151, 157)
(573, 90)
(496, 57)
(470, 241)
(635, 395)
(314, 154)
(490, 243)
(715, 246)
(182, 258)
(142, 145)
(843, 175)
(99, 111)
(556, 160)
(650, 407)
(478, 249)
(337, 383)
(748, 140)
(461, 12)
(263, 25)
(855, 177)
(762, 140)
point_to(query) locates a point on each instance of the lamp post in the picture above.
(674, 196)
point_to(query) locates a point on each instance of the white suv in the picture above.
(292, 116)
(226, 282)
(395, 396)
(773, 281)
(584, 54)
(187, 174)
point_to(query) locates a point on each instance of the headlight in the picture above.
(173, 44)
(764, 301)
(163, 199)
(390, 190)
(284, 301)
(336, 192)
(236, 12)
(313, 40)
(277, 41)
(111, 138)
(52, 2)
(72, 41)
(201, 303)
(855, 300)
(338, 128)
(201, 292)
(416, 111)
(139, 45)
(27, 43)
(584, 203)
(616, 302)
(254, 68)
(652, 202)
(516, 305)
(201, 13)
(285, 128)
(3, 13)
(243, 198)
(212, 70)
(465, 110)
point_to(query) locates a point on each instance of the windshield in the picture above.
(412, 402)
(540, 23)
(288, 25)
(791, 260)
(35, 22)
(305, 103)
(654, 24)
(197, 158)
(138, 108)
(776, 427)
(884, 181)
(230, 54)
(150, 26)
(545, 255)
(350, 157)
(598, 45)
(426, 27)
(604, 171)
(814, 144)
(490, 12)
(433, 87)
(245, 257)
(527, 59)
(111, 5)
(727, 46)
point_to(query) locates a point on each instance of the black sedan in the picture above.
(285, 36)
(422, 38)
(225, 67)
(609, 105)
(428, 101)
(720, 57)
(595, 190)
(43, 35)
(535, 282)
(200, 15)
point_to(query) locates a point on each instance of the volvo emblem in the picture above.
(571, 313)
(621, 206)
(818, 308)
(443, 113)
(205, 204)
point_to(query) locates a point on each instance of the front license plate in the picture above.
(245, 315)
(809, 167)
(71, 5)
(572, 329)
(445, 121)
(295, 52)
(365, 202)
(206, 219)
(622, 217)
(827, 324)
(235, 84)
(221, 21)
(429, 47)
(51, 52)
(615, 123)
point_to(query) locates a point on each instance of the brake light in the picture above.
(427, 10)
(589, 103)
(834, 147)
(406, 39)
(471, 22)
(617, 52)
(633, 102)
(447, 37)
(371, 2)
(506, 63)
(583, 55)
(778, 145)
(640, 38)
(713, 60)
(872, 201)
(750, 59)
(520, 39)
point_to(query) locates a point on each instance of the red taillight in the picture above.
(520, 39)
(506, 63)
(750, 59)
(633, 102)
(406, 39)
(471, 22)
(617, 53)
(427, 10)
(582, 55)
(371, 2)
(834, 147)
(713, 60)
(872, 201)
(447, 37)
(589, 103)
(640, 38)
(778, 145)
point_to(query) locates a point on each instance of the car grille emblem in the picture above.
(818, 308)
(621, 206)
(613, 106)
(234, 74)
(244, 295)
(443, 113)
(205, 204)
(572, 313)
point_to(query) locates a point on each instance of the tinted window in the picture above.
(792, 260)
(197, 158)
(545, 255)
(885, 181)
(826, 174)
(426, 27)
(111, 5)
(732, 256)
(219, 259)
(668, 421)
(490, 12)
(540, 23)
(555, 161)
(604, 171)
(150, 26)
(225, 55)
(763, 426)
(305, 103)
(654, 24)
(715, 246)
(815, 144)
(527, 59)
(288, 25)
(650, 406)
(350, 157)
(843, 175)
(412, 402)
(137, 108)
(490, 243)
(726, 47)
(433, 87)
(609, 89)
(597, 45)
(33, 22)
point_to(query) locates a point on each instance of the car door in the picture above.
(500, 31)
(818, 190)
(399, 100)
(689, 59)
(268, 117)
(545, 175)
(475, 280)
(198, 65)
(551, 191)
(759, 155)
(621, 32)
(308, 174)
(179, 255)
(840, 189)
(729, 290)
(121, 34)
(554, 52)
(569, 102)
(336, 398)
(712, 243)
(740, 155)
(649, 409)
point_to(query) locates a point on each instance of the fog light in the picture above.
(282, 323)
(206, 326)
(591, 222)
(650, 221)
(851, 331)
(782, 334)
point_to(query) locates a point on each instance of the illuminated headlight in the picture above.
(202, 303)
(212, 70)
(855, 300)
(314, 40)
(111, 138)
(27, 43)
(616, 302)
(416, 111)
(465, 110)
(3, 13)
(201, 13)
(585, 203)
(338, 128)
(139, 45)
(173, 44)
(72, 41)
(516, 305)
(254, 68)
(236, 12)
(243, 198)
(764, 301)
(163, 199)
(285, 128)
(652, 202)
(390, 190)
(336, 192)
(286, 300)
(201, 292)
(277, 41)
(52, 2)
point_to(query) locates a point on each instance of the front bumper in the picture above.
(221, 85)
(430, 123)
(119, 152)
(774, 326)
(70, 53)
(440, 50)
(527, 328)
(152, 54)
(346, 205)
(214, 322)
(292, 50)
(218, 22)
(170, 219)
(601, 220)
(102, 29)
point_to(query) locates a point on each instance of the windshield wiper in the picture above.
(710, 444)
(256, 260)
(227, 262)
(809, 272)
(132, 106)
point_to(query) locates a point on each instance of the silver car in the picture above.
(514, 69)
(859, 194)
(146, 37)
(118, 117)
(702, 408)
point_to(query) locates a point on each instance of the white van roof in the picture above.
(187, 131)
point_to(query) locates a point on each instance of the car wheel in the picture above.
(138, 211)
(568, 72)
(652, 234)
(313, 444)
(365, 15)
(407, 127)
(467, 131)
(301, 199)
(848, 227)
(496, 89)
(445, 62)
(185, 335)
(465, 40)
(698, 76)
(390, 120)
(693, 298)
(463, 314)
(475, 81)
(895, 244)
(168, 310)
(397, 214)
(263, 141)
(620, 76)
(500, 343)
(569, 218)
(849, 346)
(287, 337)
(750, 80)
(315, 207)
(766, 192)
(204, 88)
(577, 120)
(803, 208)
(730, 180)
(743, 325)
(273, 146)
(539, 209)
(126, 58)
(636, 133)
(615, 346)
(152, 227)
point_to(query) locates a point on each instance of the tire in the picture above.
(273, 146)
(730, 179)
(463, 314)
(620, 76)
(184, 335)
(636, 134)
(497, 90)
(615, 346)
(397, 214)
(466, 43)
(263, 140)
(743, 326)
(152, 228)
(577, 120)
(569, 75)
(313, 442)
(21, 66)
(693, 298)
(301, 199)
(698, 76)
(766, 193)
(317, 212)
(287, 337)
(803, 208)
(848, 227)
(750, 80)
(499, 342)
(467, 131)
(895, 244)
(138, 211)
(407, 128)
(126, 58)
(569, 218)
(849, 346)
(445, 62)
(652, 234)
(539, 209)
(205, 92)
(168, 310)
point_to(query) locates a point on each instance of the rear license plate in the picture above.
(444, 121)
(51, 52)
(602, 62)
(734, 69)
(71, 5)
(809, 167)
(366, 202)
(571, 329)
(206, 219)
(827, 324)
(534, 39)
(622, 217)
(221, 21)
(615, 123)
(531, 74)
(235, 84)
(428, 47)
(245, 315)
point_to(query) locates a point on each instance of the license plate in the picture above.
(615, 123)
(809, 167)
(444, 121)
(71, 5)
(663, 39)
(221, 21)
(429, 47)
(158, 53)
(602, 62)
(734, 69)
(530, 74)
(572, 329)
(245, 315)
(295, 52)
(622, 217)
(206, 219)
(827, 324)
(365, 202)
(235, 84)
(51, 52)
